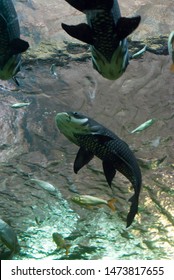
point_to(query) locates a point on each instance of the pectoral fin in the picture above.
(109, 171)
(125, 26)
(18, 46)
(83, 5)
(81, 32)
(82, 158)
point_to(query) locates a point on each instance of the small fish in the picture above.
(44, 185)
(150, 163)
(11, 45)
(171, 49)
(144, 126)
(88, 200)
(53, 70)
(20, 105)
(96, 140)
(9, 237)
(106, 32)
(61, 242)
(139, 53)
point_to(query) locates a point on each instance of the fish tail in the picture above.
(133, 210)
(172, 68)
(111, 204)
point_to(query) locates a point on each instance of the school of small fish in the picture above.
(106, 32)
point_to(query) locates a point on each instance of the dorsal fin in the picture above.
(18, 46)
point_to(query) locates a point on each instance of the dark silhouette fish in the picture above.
(94, 139)
(106, 32)
(11, 45)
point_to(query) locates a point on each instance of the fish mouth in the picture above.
(73, 118)
(72, 123)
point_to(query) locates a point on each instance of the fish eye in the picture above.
(75, 114)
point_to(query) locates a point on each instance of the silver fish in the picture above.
(106, 31)
(171, 49)
(144, 126)
(53, 70)
(139, 53)
(88, 200)
(11, 45)
(44, 185)
(20, 105)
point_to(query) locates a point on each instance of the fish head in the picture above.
(73, 123)
(57, 237)
(76, 199)
(117, 65)
(11, 67)
(83, 199)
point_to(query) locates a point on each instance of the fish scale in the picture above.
(9, 28)
(8, 12)
(112, 150)
(104, 24)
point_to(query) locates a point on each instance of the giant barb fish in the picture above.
(96, 140)
(11, 45)
(106, 31)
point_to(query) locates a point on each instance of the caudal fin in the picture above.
(133, 210)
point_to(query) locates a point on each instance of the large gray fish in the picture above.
(11, 46)
(106, 32)
(94, 139)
